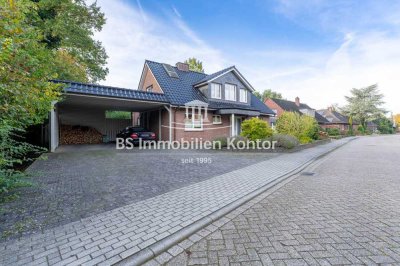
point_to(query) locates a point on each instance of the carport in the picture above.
(85, 105)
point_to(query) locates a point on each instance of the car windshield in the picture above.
(138, 129)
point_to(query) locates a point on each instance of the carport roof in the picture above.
(107, 91)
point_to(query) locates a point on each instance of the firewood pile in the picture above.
(79, 135)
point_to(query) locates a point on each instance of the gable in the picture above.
(230, 78)
(148, 79)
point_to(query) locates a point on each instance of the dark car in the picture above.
(136, 133)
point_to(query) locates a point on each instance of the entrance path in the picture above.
(140, 230)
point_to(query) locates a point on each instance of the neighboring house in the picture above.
(173, 102)
(278, 106)
(336, 119)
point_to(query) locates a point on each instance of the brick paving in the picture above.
(80, 182)
(344, 211)
(111, 236)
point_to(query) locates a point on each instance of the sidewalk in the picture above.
(141, 229)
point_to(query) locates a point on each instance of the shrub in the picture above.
(303, 127)
(333, 131)
(255, 129)
(285, 141)
(222, 140)
(309, 129)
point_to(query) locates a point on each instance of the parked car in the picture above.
(136, 133)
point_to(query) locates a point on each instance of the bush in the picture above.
(303, 127)
(222, 140)
(285, 141)
(309, 129)
(13, 153)
(255, 129)
(333, 131)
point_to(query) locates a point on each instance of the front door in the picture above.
(238, 126)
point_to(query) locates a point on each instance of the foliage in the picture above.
(256, 128)
(303, 127)
(309, 127)
(118, 115)
(396, 119)
(222, 140)
(285, 141)
(268, 94)
(385, 125)
(13, 152)
(364, 105)
(333, 131)
(66, 27)
(195, 65)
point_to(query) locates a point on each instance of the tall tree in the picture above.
(66, 27)
(268, 94)
(396, 119)
(195, 65)
(364, 104)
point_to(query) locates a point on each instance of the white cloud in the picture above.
(361, 60)
(319, 77)
(132, 35)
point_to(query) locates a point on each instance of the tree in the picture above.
(66, 27)
(268, 94)
(26, 95)
(385, 125)
(364, 105)
(396, 119)
(195, 65)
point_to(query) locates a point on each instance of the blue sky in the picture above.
(317, 49)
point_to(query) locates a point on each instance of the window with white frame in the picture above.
(243, 95)
(217, 119)
(215, 91)
(230, 92)
(192, 124)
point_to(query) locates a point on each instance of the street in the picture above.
(344, 210)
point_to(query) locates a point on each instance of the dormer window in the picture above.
(243, 95)
(230, 92)
(215, 91)
(149, 88)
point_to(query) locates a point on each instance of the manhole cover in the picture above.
(307, 173)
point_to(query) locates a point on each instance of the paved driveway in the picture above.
(347, 212)
(77, 182)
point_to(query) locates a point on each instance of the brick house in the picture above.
(278, 106)
(171, 101)
(336, 120)
(200, 105)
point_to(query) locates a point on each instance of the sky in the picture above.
(314, 49)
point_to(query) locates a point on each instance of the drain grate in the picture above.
(307, 173)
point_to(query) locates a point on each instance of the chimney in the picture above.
(182, 66)
(330, 109)
(297, 100)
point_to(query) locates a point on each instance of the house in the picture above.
(278, 106)
(172, 101)
(336, 119)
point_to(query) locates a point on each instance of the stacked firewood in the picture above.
(79, 135)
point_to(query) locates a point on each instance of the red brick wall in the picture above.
(273, 106)
(209, 132)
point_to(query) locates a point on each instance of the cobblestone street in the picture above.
(346, 210)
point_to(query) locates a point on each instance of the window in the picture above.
(215, 91)
(275, 111)
(230, 92)
(194, 124)
(243, 95)
(149, 88)
(217, 119)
